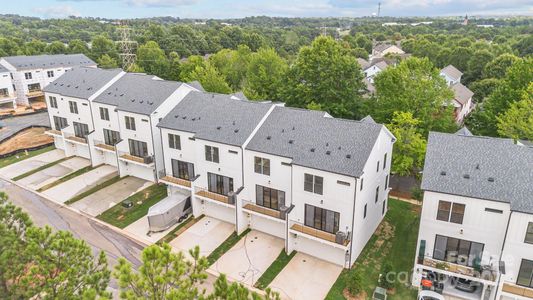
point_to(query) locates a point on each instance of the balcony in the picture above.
(204, 193)
(53, 132)
(102, 146)
(321, 235)
(147, 160)
(175, 181)
(34, 93)
(252, 207)
(6, 97)
(486, 273)
(518, 290)
(75, 139)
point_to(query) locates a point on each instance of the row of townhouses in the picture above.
(22, 78)
(476, 230)
(317, 182)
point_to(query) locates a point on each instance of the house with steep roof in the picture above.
(476, 228)
(376, 66)
(462, 101)
(7, 92)
(31, 74)
(451, 75)
(381, 50)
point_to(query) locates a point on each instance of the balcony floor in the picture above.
(177, 181)
(105, 147)
(213, 196)
(77, 139)
(263, 210)
(330, 237)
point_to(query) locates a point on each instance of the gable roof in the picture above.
(23, 62)
(363, 63)
(462, 93)
(382, 47)
(3, 69)
(464, 131)
(452, 72)
(81, 82)
(138, 93)
(197, 85)
(216, 117)
(480, 167)
(312, 139)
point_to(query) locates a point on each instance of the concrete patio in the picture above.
(31, 163)
(53, 173)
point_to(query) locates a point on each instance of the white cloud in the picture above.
(58, 11)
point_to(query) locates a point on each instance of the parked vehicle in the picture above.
(466, 285)
(429, 295)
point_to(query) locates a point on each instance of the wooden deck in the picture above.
(455, 268)
(212, 196)
(330, 237)
(53, 132)
(77, 139)
(32, 94)
(177, 181)
(518, 290)
(263, 210)
(133, 158)
(105, 147)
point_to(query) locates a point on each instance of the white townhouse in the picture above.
(69, 101)
(462, 100)
(476, 225)
(30, 74)
(7, 92)
(125, 117)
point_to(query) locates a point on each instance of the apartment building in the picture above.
(475, 233)
(31, 74)
(7, 93)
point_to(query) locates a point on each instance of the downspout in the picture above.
(163, 152)
(353, 222)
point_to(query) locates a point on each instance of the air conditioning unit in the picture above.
(340, 237)
(283, 212)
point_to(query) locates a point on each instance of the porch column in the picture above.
(483, 292)
(240, 221)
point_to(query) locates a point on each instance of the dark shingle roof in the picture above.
(461, 93)
(49, 61)
(216, 117)
(313, 140)
(138, 93)
(480, 167)
(452, 72)
(197, 85)
(81, 82)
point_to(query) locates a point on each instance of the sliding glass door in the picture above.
(321, 218)
(219, 184)
(183, 170)
(457, 251)
(268, 197)
(138, 148)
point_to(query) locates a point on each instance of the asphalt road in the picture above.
(14, 124)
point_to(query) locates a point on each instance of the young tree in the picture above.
(410, 147)
(78, 46)
(476, 65)
(210, 79)
(498, 66)
(152, 59)
(232, 64)
(56, 47)
(103, 45)
(264, 76)
(517, 121)
(106, 62)
(189, 66)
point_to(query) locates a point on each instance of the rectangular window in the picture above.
(104, 113)
(50, 74)
(384, 161)
(138, 148)
(80, 130)
(364, 212)
(377, 195)
(262, 165)
(313, 184)
(27, 75)
(53, 101)
(182, 169)
(130, 122)
(4, 92)
(219, 184)
(377, 167)
(525, 275)
(174, 141)
(387, 181)
(322, 219)
(60, 123)
(457, 251)
(111, 137)
(73, 106)
(361, 188)
(443, 214)
(458, 212)
(492, 210)
(384, 206)
(211, 154)
(529, 233)
(34, 87)
(269, 198)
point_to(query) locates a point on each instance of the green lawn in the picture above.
(94, 189)
(281, 261)
(67, 178)
(39, 169)
(394, 242)
(121, 217)
(225, 246)
(22, 156)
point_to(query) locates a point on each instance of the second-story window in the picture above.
(384, 161)
(529, 233)
(262, 165)
(211, 154)
(525, 274)
(73, 106)
(377, 167)
(50, 74)
(27, 75)
(313, 184)
(377, 195)
(362, 181)
(104, 113)
(451, 212)
(130, 122)
(53, 101)
(174, 141)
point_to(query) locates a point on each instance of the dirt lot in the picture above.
(28, 138)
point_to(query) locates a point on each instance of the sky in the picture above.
(221, 9)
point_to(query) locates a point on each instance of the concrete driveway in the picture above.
(249, 258)
(140, 228)
(68, 189)
(306, 277)
(109, 196)
(53, 173)
(208, 234)
(31, 163)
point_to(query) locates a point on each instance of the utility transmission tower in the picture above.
(127, 46)
(379, 8)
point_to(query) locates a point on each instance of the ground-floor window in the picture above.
(138, 148)
(219, 184)
(268, 197)
(182, 169)
(80, 130)
(60, 123)
(458, 251)
(525, 275)
(321, 218)
(111, 137)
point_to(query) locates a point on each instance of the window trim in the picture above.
(104, 113)
(174, 141)
(518, 274)
(528, 228)
(53, 101)
(212, 154)
(262, 165)
(73, 107)
(314, 184)
(130, 123)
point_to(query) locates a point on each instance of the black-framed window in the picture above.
(262, 165)
(111, 137)
(362, 181)
(384, 206)
(53, 101)
(451, 212)
(313, 184)
(27, 75)
(60, 123)
(377, 194)
(384, 161)
(529, 233)
(50, 74)
(73, 107)
(268, 197)
(182, 169)
(219, 184)
(104, 113)
(457, 251)
(138, 148)
(322, 219)
(377, 167)
(80, 130)
(211, 154)
(174, 141)
(130, 122)
(525, 274)
(387, 181)
(458, 213)
(364, 211)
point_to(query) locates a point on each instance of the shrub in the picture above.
(417, 193)
(383, 282)
(355, 283)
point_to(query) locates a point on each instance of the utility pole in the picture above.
(126, 45)
(379, 8)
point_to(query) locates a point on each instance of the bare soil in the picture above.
(28, 138)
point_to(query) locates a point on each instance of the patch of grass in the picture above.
(6, 161)
(94, 189)
(67, 178)
(172, 234)
(393, 242)
(121, 217)
(39, 169)
(281, 261)
(225, 246)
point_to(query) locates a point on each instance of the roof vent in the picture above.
(176, 116)
(327, 144)
(199, 118)
(328, 152)
(312, 149)
(218, 127)
(491, 179)
(477, 167)
(291, 141)
(140, 101)
(269, 137)
(236, 130)
(132, 100)
(193, 119)
(233, 122)
(283, 130)
(348, 156)
(184, 117)
(339, 148)
(443, 173)
(292, 127)
(466, 176)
